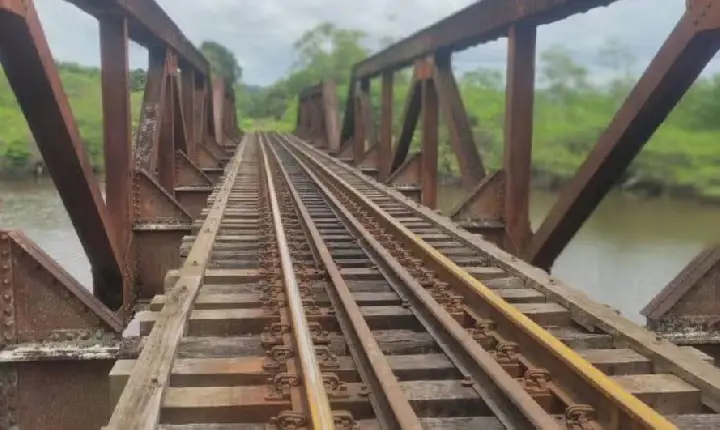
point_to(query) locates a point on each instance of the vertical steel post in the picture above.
(430, 121)
(117, 125)
(360, 121)
(166, 145)
(218, 103)
(188, 97)
(200, 123)
(386, 117)
(518, 132)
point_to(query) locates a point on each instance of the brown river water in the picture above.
(623, 256)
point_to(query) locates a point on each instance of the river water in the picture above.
(623, 256)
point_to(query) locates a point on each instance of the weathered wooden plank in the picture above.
(139, 404)
(667, 394)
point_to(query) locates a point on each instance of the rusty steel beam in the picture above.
(187, 78)
(517, 161)
(117, 127)
(458, 125)
(149, 26)
(218, 104)
(367, 115)
(411, 115)
(358, 138)
(148, 132)
(318, 125)
(34, 78)
(686, 52)
(167, 140)
(386, 117)
(309, 92)
(481, 22)
(182, 139)
(694, 284)
(201, 129)
(209, 110)
(364, 132)
(300, 116)
(43, 304)
(430, 144)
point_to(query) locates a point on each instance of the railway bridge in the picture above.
(306, 280)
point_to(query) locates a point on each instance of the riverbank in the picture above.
(542, 181)
(631, 186)
(626, 252)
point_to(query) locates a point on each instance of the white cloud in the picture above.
(261, 33)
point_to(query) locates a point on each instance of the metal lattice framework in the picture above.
(157, 179)
(498, 204)
(187, 123)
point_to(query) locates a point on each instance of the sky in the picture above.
(261, 33)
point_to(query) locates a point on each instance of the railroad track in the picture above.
(312, 297)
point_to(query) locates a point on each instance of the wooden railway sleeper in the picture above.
(506, 353)
(535, 380)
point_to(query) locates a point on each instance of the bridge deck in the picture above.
(311, 293)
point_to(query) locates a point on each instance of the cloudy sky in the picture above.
(261, 33)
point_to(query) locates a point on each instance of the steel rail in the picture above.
(394, 409)
(510, 403)
(139, 405)
(617, 400)
(318, 404)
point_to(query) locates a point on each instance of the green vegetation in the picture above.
(222, 61)
(571, 111)
(82, 86)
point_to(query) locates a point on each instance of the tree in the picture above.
(138, 77)
(490, 79)
(563, 76)
(328, 52)
(616, 56)
(222, 60)
(324, 52)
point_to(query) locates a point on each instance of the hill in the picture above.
(82, 86)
